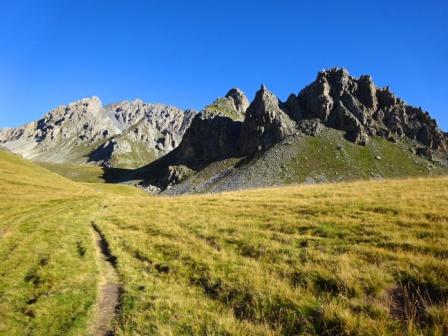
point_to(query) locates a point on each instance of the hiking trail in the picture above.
(109, 286)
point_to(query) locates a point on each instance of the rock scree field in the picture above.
(348, 258)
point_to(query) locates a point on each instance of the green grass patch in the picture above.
(75, 172)
(329, 158)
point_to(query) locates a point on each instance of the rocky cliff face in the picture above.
(358, 107)
(265, 123)
(238, 100)
(146, 132)
(209, 139)
(214, 132)
(128, 133)
(230, 131)
(335, 100)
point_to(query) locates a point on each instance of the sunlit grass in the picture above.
(48, 276)
(327, 259)
(361, 258)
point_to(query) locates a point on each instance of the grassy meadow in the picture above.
(358, 258)
(74, 172)
(47, 278)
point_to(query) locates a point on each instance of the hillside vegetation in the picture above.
(75, 172)
(311, 159)
(358, 258)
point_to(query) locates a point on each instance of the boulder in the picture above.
(174, 175)
(312, 127)
(424, 152)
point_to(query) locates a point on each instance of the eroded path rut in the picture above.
(109, 290)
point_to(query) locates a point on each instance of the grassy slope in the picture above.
(75, 172)
(325, 259)
(68, 150)
(319, 157)
(46, 287)
(92, 176)
(310, 159)
(342, 258)
(48, 275)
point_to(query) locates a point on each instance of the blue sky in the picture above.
(187, 53)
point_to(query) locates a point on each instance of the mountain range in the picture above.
(126, 134)
(337, 128)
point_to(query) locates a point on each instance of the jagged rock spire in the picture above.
(357, 106)
(239, 99)
(265, 123)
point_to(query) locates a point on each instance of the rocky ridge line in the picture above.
(87, 131)
(358, 107)
(335, 99)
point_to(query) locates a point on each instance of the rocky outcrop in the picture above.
(238, 100)
(343, 119)
(174, 175)
(214, 135)
(227, 129)
(214, 132)
(233, 106)
(265, 123)
(358, 107)
(312, 127)
(210, 138)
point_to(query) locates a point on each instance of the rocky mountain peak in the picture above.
(335, 99)
(90, 105)
(358, 107)
(239, 99)
(127, 133)
(265, 102)
(265, 122)
(233, 105)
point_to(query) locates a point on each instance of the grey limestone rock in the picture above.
(86, 131)
(358, 107)
(265, 123)
(239, 100)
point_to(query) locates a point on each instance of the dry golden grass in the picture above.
(362, 258)
(47, 274)
(327, 259)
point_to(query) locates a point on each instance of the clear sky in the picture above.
(187, 53)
